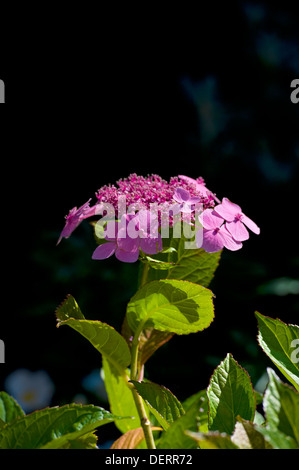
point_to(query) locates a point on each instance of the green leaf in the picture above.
(120, 398)
(69, 309)
(212, 440)
(281, 344)
(103, 337)
(175, 437)
(281, 405)
(202, 414)
(88, 441)
(230, 394)
(156, 263)
(258, 397)
(277, 440)
(53, 428)
(163, 404)
(9, 408)
(98, 231)
(202, 395)
(179, 307)
(194, 265)
(247, 436)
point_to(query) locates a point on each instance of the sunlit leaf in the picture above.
(174, 306)
(281, 343)
(163, 404)
(53, 428)
(230, 394)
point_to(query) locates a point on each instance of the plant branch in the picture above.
(144, 274)
(145, 422)
(135, 375)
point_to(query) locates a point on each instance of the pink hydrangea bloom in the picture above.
(146, 205)
(236, 220)
(132, 233)
(215, 234)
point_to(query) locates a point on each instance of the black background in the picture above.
(94, 96)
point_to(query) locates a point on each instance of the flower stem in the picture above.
(145, 422)
(135, 375)
(144, 274)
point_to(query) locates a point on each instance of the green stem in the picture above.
(144, 274)
(134, 356)
(145, 422)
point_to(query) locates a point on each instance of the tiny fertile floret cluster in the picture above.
(134, 211)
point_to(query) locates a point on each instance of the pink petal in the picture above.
(128, 243)
(228, 240)
(148, 223)
(238, 230)
(188, 179)
(97, 209)
(129, 232)
(181, 195)
(210, 220)
(149, 245)
(76, 216)
(250, 224)
(174, 209)
(127, 256)
(82, 209)
(68, 229)
(104, 251)
(199, 187)
(227, 209)
(212, 241)
(194, 200)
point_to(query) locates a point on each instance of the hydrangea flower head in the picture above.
(141, 207)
